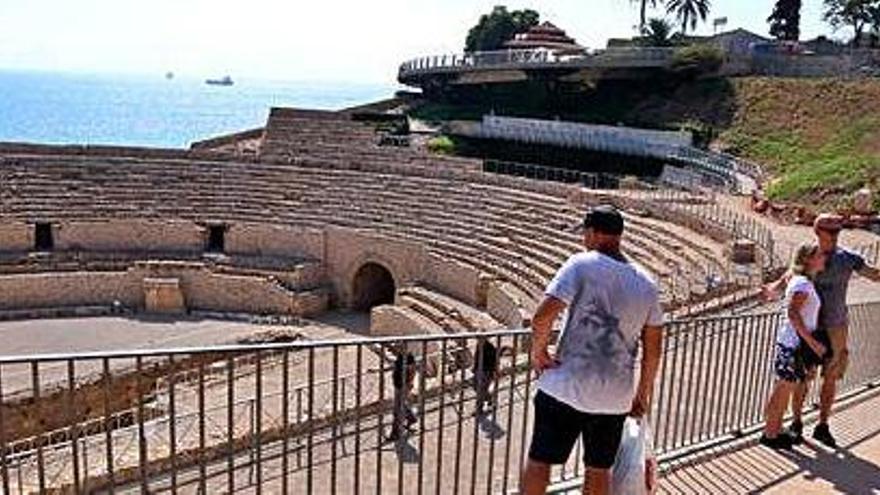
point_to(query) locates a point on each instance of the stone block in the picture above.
(164, 296)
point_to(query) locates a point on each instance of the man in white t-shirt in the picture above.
(588, 388)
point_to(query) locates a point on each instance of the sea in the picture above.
(155, 111)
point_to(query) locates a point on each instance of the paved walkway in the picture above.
(810, 469)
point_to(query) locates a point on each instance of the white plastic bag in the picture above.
(635, 470)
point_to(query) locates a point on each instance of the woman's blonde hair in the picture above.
(801, 258)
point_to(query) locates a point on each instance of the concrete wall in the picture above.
(802, 65)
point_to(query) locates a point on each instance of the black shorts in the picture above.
(558, 425)
(789, 364)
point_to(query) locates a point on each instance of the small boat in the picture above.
(225, 81)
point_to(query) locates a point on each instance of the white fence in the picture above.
(664, 145)
(623, 140)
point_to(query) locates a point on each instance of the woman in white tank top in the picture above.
(802, 315)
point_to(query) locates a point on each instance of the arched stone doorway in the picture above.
(373, 285)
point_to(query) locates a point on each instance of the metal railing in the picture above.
(533, 58)
(592, 180)
(308, 417)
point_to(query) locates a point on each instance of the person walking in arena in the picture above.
(587, 388)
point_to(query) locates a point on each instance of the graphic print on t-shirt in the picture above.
(595, 347)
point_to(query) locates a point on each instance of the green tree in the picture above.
(688, 12)
(785, 21)
(857, 14)
(658, 33)
(499, 26)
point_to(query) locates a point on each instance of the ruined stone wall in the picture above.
(311, 303)
(303, 276)
(49, 290)
(349, 249)
(202, 290)
(274, 240)
(223, 292)
(453, 278)
(388, 320)
(228, 139)
(16, 237)
(135, 235)
(504, 306)
(233, 293)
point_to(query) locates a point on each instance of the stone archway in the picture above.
(372, 286)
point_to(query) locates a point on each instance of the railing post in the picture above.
(252, 427)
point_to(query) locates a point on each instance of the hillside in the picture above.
(821, 139)
(818, 138)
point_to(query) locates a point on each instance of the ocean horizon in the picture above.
(138, 110)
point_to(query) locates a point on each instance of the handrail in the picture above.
(713, 383)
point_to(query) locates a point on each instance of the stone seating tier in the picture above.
(465, 220)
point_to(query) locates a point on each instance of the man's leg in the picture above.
(480, 389)
(555, 430)
(833, 371)
(799, 395)
(597, 481)
(535, 478)
(398, 415)
(601, 439)
(826, 398)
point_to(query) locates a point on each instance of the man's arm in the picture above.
(871, 273)
(542, 328)
(652, 349)
(772, 291)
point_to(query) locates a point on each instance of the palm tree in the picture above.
(643, 12)
(688, 12)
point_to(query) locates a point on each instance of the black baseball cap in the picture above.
(604, 219)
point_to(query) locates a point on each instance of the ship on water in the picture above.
(224, 81)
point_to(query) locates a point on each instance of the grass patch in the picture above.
(809, 172)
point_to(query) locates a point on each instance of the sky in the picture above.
(298, 40)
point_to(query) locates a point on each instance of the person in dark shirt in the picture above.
(402, 377)
(485, 371)
(831, 284)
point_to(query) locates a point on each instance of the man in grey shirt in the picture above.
(588, 387)
(831, 284)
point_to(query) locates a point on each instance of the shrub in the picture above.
(442, 145)
(696, 60)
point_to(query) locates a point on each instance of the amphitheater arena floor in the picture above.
(64, 335)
